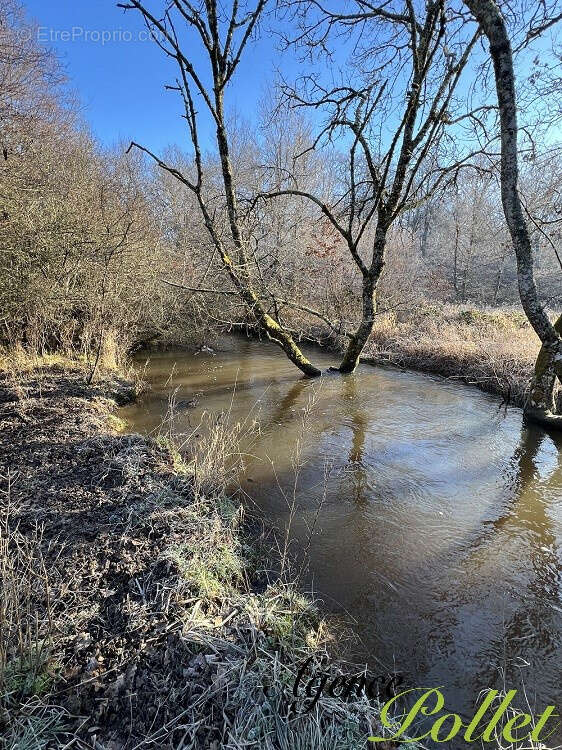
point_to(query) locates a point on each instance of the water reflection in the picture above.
(441, 519)
(531, 637)
(358, 422)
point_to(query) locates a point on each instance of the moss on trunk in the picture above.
(542, 406)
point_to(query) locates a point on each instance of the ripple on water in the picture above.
(440, 521)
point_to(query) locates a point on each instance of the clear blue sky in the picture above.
(119, 74)
(121, 82)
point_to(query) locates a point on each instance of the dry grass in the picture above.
(166, 622)
(28, 666)
(18, 362)
(491, 348)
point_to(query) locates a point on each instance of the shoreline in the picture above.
(494, 350)
(153, 616)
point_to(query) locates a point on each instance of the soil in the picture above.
(102, 500)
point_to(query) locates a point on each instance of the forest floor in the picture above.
(493, 349)
(135, 610)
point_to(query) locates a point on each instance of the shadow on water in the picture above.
(441, 516)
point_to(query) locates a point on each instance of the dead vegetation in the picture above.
(28, 665)
(137, 612)
(494, 349)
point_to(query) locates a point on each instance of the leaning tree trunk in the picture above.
(543, 388)
(541, 402)
(273, 330)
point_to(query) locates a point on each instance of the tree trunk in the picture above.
(497, 286)
(271, 327)
(540, 405)
(425, 231)
(469, 253)
(283, 339)
(360, 337)
(370, 280)
(456, 259)
(543, 388)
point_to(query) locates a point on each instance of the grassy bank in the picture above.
(494, 349)
(135, 609)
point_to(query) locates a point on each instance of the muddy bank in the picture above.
(136, 612)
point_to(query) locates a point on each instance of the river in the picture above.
(430, 516)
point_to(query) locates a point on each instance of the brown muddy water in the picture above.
(436, 515)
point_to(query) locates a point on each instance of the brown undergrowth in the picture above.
(135, 612)
(494, 349)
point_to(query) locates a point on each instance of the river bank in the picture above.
(494, 349)
(136, 610)
(399, 488)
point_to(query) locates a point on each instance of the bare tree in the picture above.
(549, 363)
(79, 244)
(29, 81)
(395, 112)
(224, 35)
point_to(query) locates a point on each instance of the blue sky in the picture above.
(120, 82)
(119, 74)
